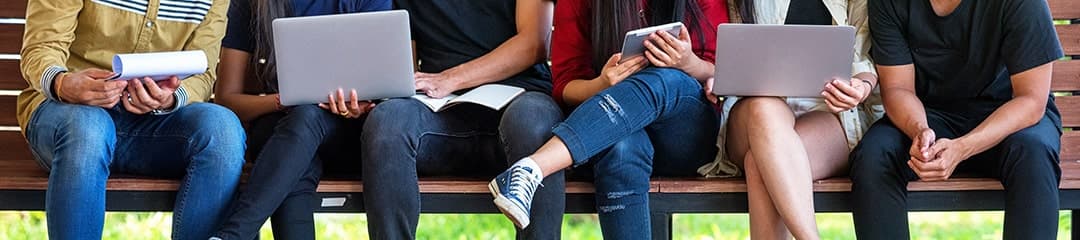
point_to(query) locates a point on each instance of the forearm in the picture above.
(1016, 114)
(248, 107)
(906, 111)
(512, 57)
(577, 91)
(701, 70)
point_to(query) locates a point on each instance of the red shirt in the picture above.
(571, 50)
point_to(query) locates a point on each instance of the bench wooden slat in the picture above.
(1070, 38)
(10, 38)
(10, 75)
(1065, 9)
(7, 111)
(734, 185)
(13, 147)
(1070, 146)
(12, 8)
(1066, 76)
(1069, 106)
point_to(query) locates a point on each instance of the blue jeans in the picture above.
(657, 122)
(404, 139)
(286, 173)
(202, 143)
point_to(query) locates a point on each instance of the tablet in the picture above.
(634, 42)
(781, 60)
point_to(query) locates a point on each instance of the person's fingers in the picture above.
(170, 84)
(154, 90)
(837, 101)
(112, 84)
(324, 106)
(131, 105)
(927, 139)
(840, 95)
(142, 97)
(354, 104)
(847, 89)
(684, 35)
(613, 60)
(97, 73)
(670, 44)
(342, 105)
(657, 51)
(655, 61)
(332, 102)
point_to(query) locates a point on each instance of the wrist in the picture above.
(58, 83)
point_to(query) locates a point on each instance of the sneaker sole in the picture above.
(507, 207)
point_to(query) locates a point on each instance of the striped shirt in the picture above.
(71, 35)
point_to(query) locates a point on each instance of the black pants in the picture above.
(292, 148)
(403, 139)
(1026, 162)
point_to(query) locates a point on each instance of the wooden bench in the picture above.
(23, 183)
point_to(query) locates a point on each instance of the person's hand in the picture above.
(665, 50)
(89, 87)
(145, 95)
(921, 143)
(352, 108)
(947, 154)
(436, 85)
(708, 91)
(841, 96)
(614, 72)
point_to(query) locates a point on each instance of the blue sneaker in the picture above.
(513, 191)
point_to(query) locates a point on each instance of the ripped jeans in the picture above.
(657, 122)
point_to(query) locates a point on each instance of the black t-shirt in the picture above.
(808, 12)
(451, 32)
(963, 61)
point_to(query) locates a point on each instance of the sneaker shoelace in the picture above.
(523, 184)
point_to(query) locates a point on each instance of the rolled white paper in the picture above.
(159, 65)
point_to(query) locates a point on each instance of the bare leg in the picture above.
(769, 132)
(553, 156)
(765, 221)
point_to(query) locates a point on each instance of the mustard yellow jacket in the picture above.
(71, 35)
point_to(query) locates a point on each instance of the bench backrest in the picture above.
(12, 146)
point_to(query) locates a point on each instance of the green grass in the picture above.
(924, 225)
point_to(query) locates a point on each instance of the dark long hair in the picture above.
(611, 19)
(263, 63)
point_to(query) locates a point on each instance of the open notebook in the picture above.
(494, 96)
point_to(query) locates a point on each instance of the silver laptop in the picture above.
(781, 60)
(370, 52)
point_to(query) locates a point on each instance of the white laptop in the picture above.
(370, 52)
(781, 60)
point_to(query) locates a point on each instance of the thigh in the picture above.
(1038, 145)
(462, 141)
(683, 144)
(163, 145)
(58, 127)
(826, 145)
(741, 118)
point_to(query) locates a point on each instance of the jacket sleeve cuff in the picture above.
(47, 79)
(181, 97)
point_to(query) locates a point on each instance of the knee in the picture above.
(629, 159)
(669, 78)
(878, 155)
(760, 109)
(213, 123)
(1031, 155)
(531, 114)
(390, 123)
(81, 122)
(307, 119)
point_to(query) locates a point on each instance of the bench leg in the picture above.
(661, 225)
(1075, 224)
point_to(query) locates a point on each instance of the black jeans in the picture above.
(404, 139)
(1026, 162)
(292, 147)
